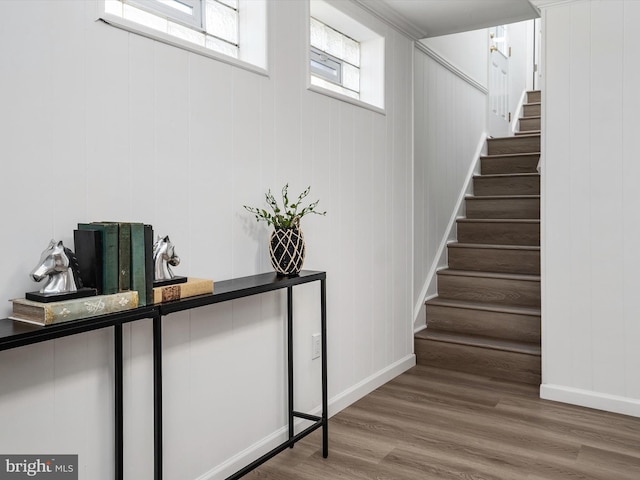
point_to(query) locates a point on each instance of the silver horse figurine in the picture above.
(164, 255)
(61, 266)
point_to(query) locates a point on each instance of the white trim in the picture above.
(133, 27)
(451, 67)
(369, 384)
(344, 98)
(455, 214)
(516, 116)
(412, 133)
(543, 201)
(390, 17)
(539, 4)
(419, 328)
(336, 404)
(591, 399)
(249, 454)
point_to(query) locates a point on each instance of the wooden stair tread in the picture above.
(532, 117)
(531, 103)
(486, 307)
(480, 342)
(510, 155)
(502, 197)
(508, 175)
(496, 275)
(493, 246)
(528, 132)
(512, 137)
(497, 220)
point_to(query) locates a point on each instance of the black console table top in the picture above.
(226, 290)
(18, 334)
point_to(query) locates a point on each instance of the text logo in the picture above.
(39, 467)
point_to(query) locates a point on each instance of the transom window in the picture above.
(212, 24)
(334, 60)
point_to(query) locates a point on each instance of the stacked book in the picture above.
(75, 309)
(115, 258)
(191, 288)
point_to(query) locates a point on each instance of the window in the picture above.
(334, 60)
(220, 29)
(187, 11)
(346, 57)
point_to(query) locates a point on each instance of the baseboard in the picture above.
(336, 404)
(439, 260)
(419, 327)
(369, 384)
(516, 114)
(247, 456)
(591, 399)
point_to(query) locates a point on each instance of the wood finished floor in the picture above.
(436, 424)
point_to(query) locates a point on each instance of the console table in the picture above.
(15, 334)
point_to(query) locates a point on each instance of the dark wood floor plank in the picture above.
(479, 423)
(435, 424)
(599, 457)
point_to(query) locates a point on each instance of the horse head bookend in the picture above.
(164, 255)
(60, 265)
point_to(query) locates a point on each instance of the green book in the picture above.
(124, 254)
(124, 257)
(110, 254)
(76, 309)
(138, 262)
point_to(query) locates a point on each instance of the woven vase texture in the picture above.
(286, 249)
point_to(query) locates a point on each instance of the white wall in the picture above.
(520, 38)
(468, 51)
(98, 123)
(591, 319)
(450, 126)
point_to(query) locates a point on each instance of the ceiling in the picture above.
(431, 18)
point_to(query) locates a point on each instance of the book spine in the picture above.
(138, 262)
(148, 260)
(111, 258)
(88, 250)
(58, 312)
(109, 254)
(124, 257)
(193, 287)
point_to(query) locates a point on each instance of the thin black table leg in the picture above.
(157, 397)
(290, 359)
(119, 402)
(323, 339)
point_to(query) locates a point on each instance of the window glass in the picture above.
(212, 24)
(335, 59)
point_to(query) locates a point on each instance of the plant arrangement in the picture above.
(290, 214)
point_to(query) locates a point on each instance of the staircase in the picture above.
(486, 317)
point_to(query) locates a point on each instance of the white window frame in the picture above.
(253, 20)
(372, 52)
(322, 64)
(157, 6)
